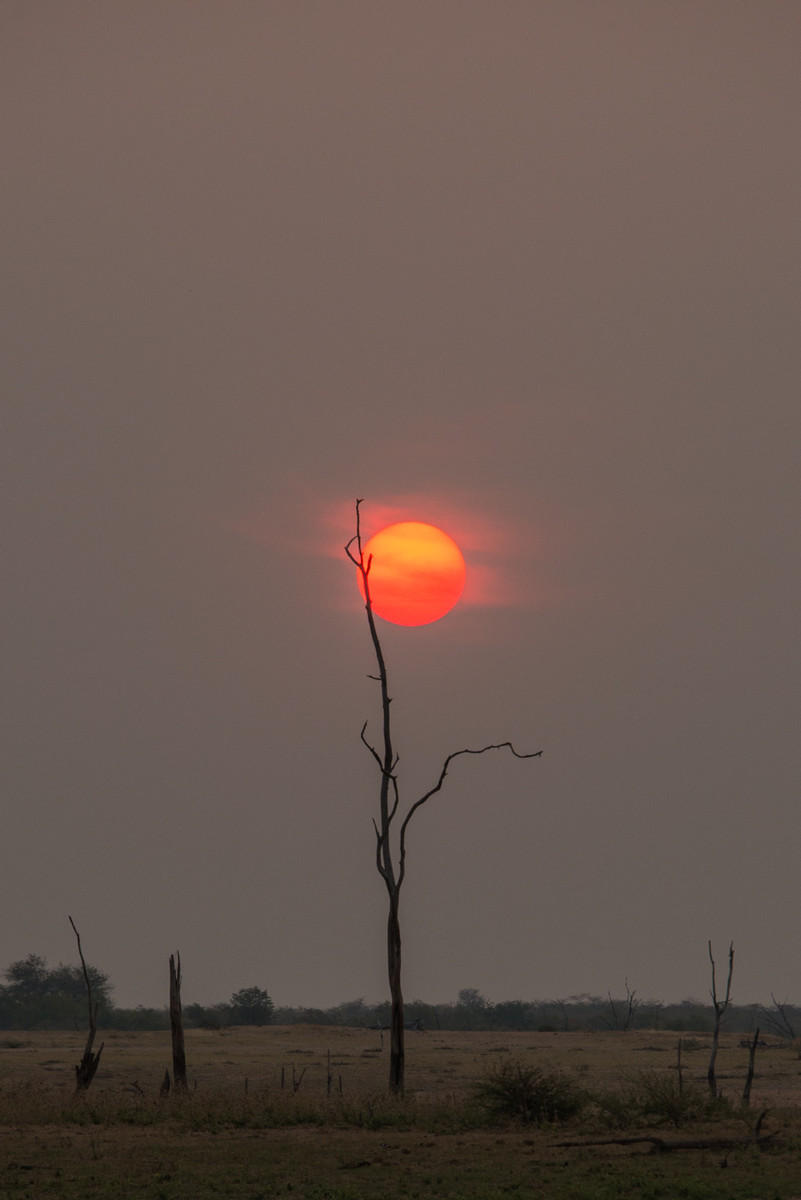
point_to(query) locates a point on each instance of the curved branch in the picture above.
(394, 808)
(386, 874)
(378, 847)
(392, 777)
(437, 786)
(87, 980)
(372, 749)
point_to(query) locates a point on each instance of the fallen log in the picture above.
(660, 1145)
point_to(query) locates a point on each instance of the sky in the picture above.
(528, 271)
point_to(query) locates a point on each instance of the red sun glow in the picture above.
(416, 575)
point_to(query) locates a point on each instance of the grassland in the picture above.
(241, 1134)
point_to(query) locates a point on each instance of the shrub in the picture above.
(654, 1098)
(529, 1094)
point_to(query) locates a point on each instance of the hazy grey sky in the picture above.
(528, 270)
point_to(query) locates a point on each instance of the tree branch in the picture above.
(662, 1145)
(88, 982)
(394, 808)
(438, 785)
(371, 748)
(378, 848)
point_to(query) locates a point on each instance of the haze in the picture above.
(527, 271)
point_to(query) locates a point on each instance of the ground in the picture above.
(240, 1134)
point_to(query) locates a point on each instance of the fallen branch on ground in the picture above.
(660, 1145)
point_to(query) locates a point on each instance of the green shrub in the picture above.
(523, 1093)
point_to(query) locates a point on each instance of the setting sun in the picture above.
(417, 573)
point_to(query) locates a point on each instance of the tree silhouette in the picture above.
(87, 1067)
(719, 1007)
(251, 1006)
(391, 862)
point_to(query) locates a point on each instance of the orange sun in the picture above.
(417, 573)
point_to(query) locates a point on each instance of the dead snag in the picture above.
(632, 1004)
(779, 1020)
(177, 1027)
(719, 1007)
(391, 861)
(86, 1068)
(749, 1079)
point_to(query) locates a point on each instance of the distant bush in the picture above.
(519, 1092)
(136, 1018)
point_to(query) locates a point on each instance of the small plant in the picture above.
(529, 1094)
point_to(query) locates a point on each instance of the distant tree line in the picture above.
(36, 996)
(584, 1013)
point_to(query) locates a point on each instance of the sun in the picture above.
(416, 575)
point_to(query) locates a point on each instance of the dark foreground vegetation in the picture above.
(37, 996)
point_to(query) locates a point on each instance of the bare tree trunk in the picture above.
(87, 1067)
(720, 1007)
(389, 799)
(631, 1006)
(177, 1026)
(397, 1051)
(749, 1079)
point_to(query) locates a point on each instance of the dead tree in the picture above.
(778, 1019)
(632, 1004)
(177, 1026)
(719, 1007)
(86, 1068)
(749, 1079)
(391, 863)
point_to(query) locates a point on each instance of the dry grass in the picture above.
(240, 1134)
(439, 1065)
